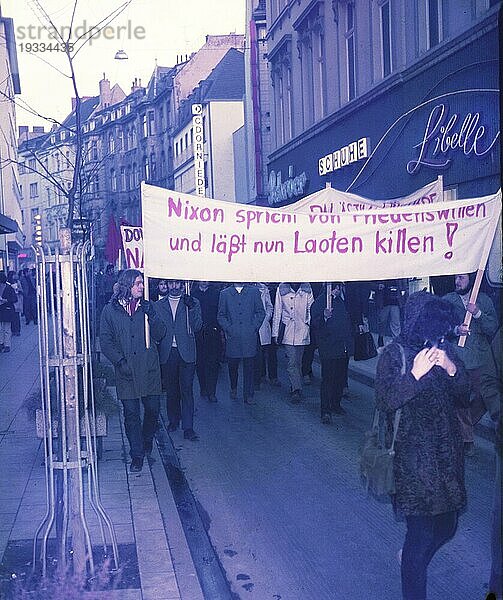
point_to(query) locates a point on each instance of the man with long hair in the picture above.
(137, 371)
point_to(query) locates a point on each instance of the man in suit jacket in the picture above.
(240, 315)
(181, 314)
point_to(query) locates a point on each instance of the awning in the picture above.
(7, 225)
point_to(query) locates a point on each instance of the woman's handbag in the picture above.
(376, 461)
(365, 347)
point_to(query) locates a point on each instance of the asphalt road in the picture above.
(280, 498)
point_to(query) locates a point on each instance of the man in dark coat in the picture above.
(208, 339)
(335, 346)
(137, 372)
(8, 298)
(476, 353)
(181, 314)
(240, 315)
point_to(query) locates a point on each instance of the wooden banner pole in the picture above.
(146, 295)
(472, 300)
(329, 295)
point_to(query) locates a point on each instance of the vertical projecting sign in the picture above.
(197, 126)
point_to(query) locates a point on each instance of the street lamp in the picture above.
(120, 55)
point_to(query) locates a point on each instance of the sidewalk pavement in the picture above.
(141, 514)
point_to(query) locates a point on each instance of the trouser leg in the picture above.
(213, 350)
(186, 373)
(495, 581)
(339, 366)
(233, 365)
(259, 369)
(425, 536)
(382, 321)
(6, 333)
(294, 365)
(16, 324)
(272, 361)
(151, 406)
(394, 323)
(132, 426)
(201, 365)
(171, 385)
(327, 385)
(248, 386)
(307, 359)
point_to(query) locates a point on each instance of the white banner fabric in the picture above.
(132, 242)
(335, 201)
(189, 237)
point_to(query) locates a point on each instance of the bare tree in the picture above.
(71, 45)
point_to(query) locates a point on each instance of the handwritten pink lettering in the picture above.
(192, 212)
(329, 245)
(229, 245)
(400, 242)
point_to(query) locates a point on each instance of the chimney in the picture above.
(136, 85)
(38, 129)
(23, 130)
(105, 92)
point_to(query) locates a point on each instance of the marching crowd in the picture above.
(440, 388)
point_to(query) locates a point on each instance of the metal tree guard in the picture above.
(68, 406)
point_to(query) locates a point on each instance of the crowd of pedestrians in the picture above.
(442, 388)
(18, 297)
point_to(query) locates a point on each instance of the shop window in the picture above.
(282, 92)
(350, 51)
(434, 22)
(311, 50)
(150, 123)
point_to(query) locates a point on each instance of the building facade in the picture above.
(380, 97)
(11, 235)
(142, 136)
(257, 102)
(215, 106)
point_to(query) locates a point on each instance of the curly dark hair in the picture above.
(122, 288)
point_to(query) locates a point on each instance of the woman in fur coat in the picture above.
(429, 461)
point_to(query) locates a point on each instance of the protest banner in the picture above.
(188, 237)
(326, 200)
(330, 200)
(132, 242)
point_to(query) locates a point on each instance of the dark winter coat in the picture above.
(333, 336)
(7, 309)
(240, 315)
(477, 349)
(429, 460)
(123, 336)
(185, 339)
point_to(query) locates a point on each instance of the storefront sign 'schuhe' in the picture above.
(444, 135)
(344, 156)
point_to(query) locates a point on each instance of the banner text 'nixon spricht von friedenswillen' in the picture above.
(189, 237)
